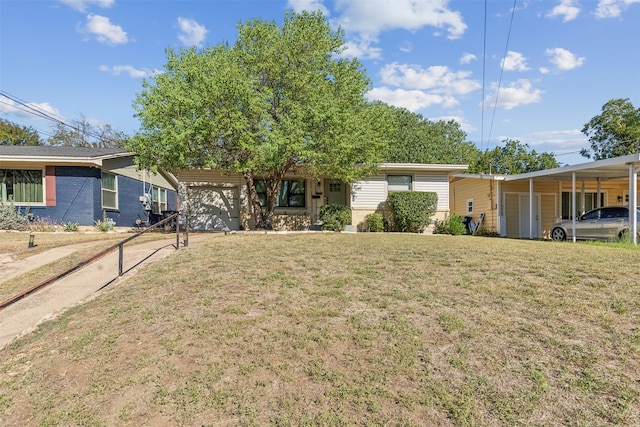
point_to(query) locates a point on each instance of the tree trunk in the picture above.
(254, 201)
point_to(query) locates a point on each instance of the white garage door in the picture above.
(213, 208)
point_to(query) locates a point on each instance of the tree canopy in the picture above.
(14, 134)
(513, 158)
(280, 99)
(414, 139)
(86, 134)
(615, 132)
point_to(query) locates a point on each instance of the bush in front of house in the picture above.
(453, 224)
(374, 222)
(411, 211)
(335, 217)
(11, 218)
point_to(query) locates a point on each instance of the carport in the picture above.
(624, 167)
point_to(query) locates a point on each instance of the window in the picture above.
(590, 199)
(21, 186)
(159, 200)
(469, 206)
(109, 191)
(291, 193)
(399, 183)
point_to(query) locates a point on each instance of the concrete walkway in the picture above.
(24, 315)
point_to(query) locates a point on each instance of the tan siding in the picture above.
(124, 166)
(484, 198)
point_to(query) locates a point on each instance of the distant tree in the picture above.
(615, 132)
(281, 99)
(85, 134)
(414, 139)
(514, 158)
(13, 134)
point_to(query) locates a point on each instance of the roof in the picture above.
(39, 152)
(614, 168)
(424, 167)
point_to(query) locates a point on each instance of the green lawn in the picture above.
(344, 329)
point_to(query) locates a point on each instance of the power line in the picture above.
(506, 49)
(484, 67)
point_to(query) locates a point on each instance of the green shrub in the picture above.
(374, 222)
(452, 224)
(411, 211)
(11, 218)
(70, 226)
(105, 224)
(335, 217)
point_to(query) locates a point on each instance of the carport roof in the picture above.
(617, 167)
(614, 168)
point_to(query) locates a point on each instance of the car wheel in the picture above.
(558, 234)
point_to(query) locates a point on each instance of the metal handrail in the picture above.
(119, 246)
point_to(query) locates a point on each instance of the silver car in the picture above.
(606, 223)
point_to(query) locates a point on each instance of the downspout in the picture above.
(633, 202)
(573, 206)
(530, 208)
(499, 207)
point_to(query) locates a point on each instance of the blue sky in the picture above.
(549, 65)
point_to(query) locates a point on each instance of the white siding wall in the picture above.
(373, 191)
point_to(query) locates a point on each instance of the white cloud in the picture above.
(116, 70)
(7, 106)
(514, 61)
(104, 30)
(544, 70)
(81, 5)
(517, 93)
(191, 33)
(467, 58)
(412, 100)
(438, 78)
(374, 16)
(406, 47)
(564, 59)
(362, 49)
(568, 9)
(612, 8)
(308, 5)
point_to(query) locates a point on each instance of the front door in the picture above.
(524, 217)
(336, 193)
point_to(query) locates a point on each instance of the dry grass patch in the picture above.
(343, 329)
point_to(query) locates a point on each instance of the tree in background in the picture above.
(13, 134)
(414, 139)
(615, 132)
(514, 158)
(280, 100)
(85, 134)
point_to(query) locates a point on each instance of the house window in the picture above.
(469, 206)
(399, 183)
(21, 186)
(590, 199)
(291, 193)
(109, 191)
(159, 200)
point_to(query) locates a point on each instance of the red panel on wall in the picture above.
(50, 185)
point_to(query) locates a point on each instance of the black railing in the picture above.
(119, 246)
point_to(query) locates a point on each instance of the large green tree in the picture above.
(513, 158)
(83, 133)
(280, 99)
(614, 132)
(414, 139)
(14, 134)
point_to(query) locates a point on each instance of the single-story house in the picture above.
(527, 205)
(79, 184)
(214, 200)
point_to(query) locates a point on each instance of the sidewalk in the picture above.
(24, 315)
